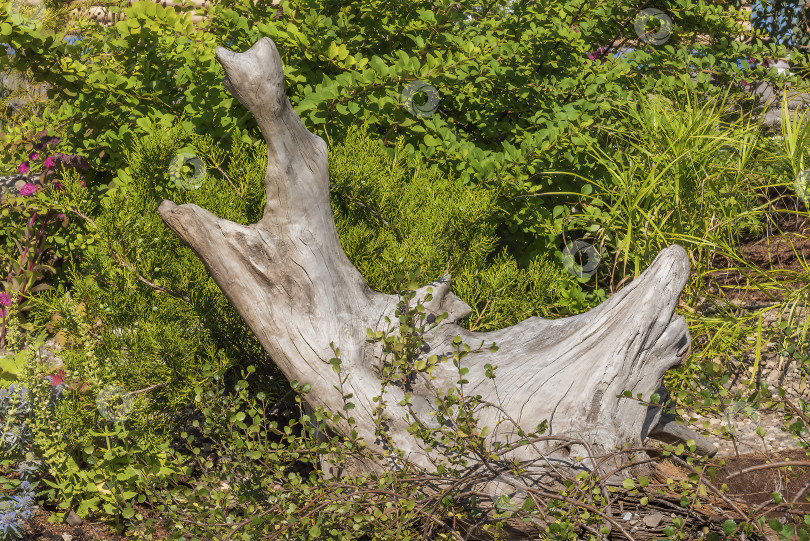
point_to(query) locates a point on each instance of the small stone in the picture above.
(67, 537)
(627, 516)
(653, 521)
(73, 519)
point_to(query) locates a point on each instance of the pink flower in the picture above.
(28, 189)
(33, 156)
(598, 54)
(49, 163)
(23, 168)
(5, 300)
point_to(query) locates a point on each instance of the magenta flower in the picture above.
(598, 54)
(28, 189)
(23, 168)
(49, 163)
(33, 156)
(5, 300)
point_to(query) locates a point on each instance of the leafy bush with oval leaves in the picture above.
(522, 87)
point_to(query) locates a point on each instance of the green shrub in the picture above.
(518, 94)
(397, 216)
(109, 88)
(143, 316)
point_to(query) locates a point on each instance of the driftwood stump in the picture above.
(291, 281)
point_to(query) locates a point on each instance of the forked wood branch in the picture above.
(291, 281)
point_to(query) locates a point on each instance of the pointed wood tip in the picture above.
(255, 77)
(673, 261)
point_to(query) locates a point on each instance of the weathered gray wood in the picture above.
(291, 281)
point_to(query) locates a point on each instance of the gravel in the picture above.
(776, 371)
(11, 184)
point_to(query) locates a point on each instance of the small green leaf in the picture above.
(629, 484)
(643, 481)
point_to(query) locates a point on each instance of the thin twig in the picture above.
(373, 212)
(146, 389)
(769, 467)
(123, 262)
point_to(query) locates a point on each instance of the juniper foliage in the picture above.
(397, 215)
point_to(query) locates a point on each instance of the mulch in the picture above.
(752, 479)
